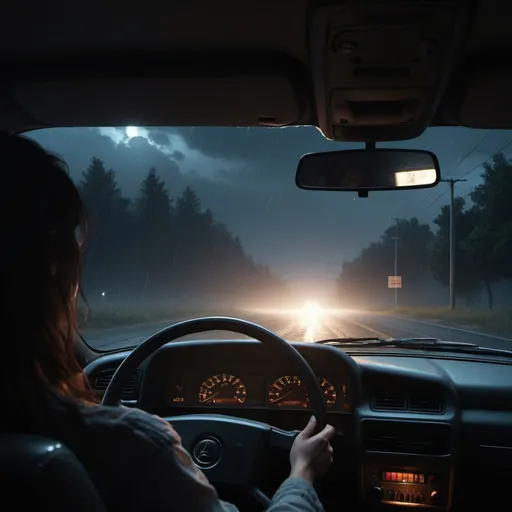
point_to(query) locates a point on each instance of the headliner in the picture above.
(226, 63)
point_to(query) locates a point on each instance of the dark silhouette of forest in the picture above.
(158, 247)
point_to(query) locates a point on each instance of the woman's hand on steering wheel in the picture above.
(311, 454)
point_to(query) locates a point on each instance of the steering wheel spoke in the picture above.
(282, 439)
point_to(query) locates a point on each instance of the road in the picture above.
(308, 326)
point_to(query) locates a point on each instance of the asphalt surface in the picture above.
(308, 326)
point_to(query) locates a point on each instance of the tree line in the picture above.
(158, 247)
(483, 247)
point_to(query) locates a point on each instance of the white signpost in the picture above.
(394, 281)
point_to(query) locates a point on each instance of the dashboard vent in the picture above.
(425, 403)
(130, 389)
(389, 402)
(404, 437)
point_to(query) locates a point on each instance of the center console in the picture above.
(407, 463)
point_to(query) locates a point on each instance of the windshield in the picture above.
(188, 222)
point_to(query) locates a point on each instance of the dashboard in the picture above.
(413, 430)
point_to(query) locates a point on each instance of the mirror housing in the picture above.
(364, 170)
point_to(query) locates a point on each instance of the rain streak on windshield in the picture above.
(188, 222)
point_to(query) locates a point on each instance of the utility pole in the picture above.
(396, 219)
(452, 241)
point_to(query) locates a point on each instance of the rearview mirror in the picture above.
(363, 170)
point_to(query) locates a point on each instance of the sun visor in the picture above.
(488, 103)
(242, 100)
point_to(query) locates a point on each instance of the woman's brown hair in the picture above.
(42, 226)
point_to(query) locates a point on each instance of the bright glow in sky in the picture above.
(132, 131)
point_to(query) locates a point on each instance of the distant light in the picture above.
(103, 294)
(311, 307)
(132, 131)
(311, 312)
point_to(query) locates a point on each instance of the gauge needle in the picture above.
(280, 398)
(210, 397)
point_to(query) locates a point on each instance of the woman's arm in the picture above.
(295, 495)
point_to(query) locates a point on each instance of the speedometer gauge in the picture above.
(222, 389)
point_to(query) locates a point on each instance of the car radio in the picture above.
(407, 463)
(406, 486)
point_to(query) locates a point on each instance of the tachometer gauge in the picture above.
(222, 389)
(288, 391)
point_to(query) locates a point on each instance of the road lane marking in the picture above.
(378, 333)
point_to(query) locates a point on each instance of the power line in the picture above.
(435, 200)
(468, 154)
(490, 158)
(467, 173)
(422, 202)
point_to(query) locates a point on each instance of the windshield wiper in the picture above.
(351, 341)
(416, 343)
(389, 342)
(396, 342)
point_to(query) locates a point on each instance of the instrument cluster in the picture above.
(255, 391)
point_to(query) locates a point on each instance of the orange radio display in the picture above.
(410, 478)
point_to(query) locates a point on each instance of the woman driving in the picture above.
(135, 460)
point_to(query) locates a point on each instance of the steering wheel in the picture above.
(228, 449)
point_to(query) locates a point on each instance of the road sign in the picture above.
(394, 281)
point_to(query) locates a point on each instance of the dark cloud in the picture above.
(159, 137)
(178, 156)
(264, 142)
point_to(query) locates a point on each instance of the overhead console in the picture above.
(379, 70)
